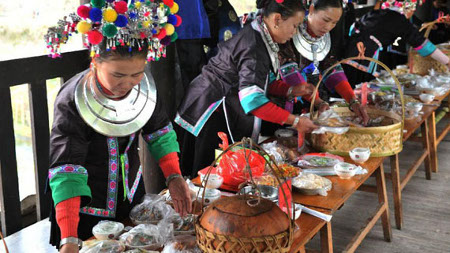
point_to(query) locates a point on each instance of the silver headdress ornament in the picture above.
(122, 23)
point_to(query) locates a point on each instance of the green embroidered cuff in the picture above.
(68, 181)
(164, 145)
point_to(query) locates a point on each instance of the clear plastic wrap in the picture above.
(105, 230)
(311, 184)
(330, 122)
(152, 210)
(141, 251)
(281, 153)
(183, 225)
(102, 246)
(148, 236)
(182, 244)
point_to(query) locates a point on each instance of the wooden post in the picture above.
(326, 239)
(11, 217)
(383, 200)
(396, 190)
(431, 121)
(40, 136)
(426, 146)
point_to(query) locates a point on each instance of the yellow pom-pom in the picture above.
(137, 5)
(110, 15)
(174, 8)
(169, 29)
(146, 24)
(83, 27)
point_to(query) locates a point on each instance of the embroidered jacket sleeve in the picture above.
(335, 80)
(159, 134)
(402, 27)
(69, 141)
(253, 67)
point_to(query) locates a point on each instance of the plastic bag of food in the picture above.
(152, 210)
(105, 230)
(102, 246)
(182, 244)
(311, 184)
(141, 251)
(266, 179)
(148, 236)
(232, 166)
(275, 151)
(183, 225)
(330, 122)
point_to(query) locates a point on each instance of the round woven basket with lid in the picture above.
(244, 223)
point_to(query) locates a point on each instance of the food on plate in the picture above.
(321, 161)
(266, 179)
(287, 170)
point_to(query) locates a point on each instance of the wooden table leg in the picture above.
(326, 239)
(426, 146)
(396, 191)
(383, 200)
(431, 122)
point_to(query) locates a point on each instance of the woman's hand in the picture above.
(69, 248)
(361, 112)
(179, 191)
(301, 90)
(323, 106)
(305, 125)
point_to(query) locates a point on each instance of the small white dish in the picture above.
(359, 155)
(214, 181)
(345, 170)
(426, 98)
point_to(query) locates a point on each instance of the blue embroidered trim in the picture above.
(158, 133)
(67, 168)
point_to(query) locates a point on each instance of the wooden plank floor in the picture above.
(426, 210)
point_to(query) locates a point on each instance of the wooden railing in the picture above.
(34, 71)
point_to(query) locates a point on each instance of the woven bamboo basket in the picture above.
(421, 65)
(383, 140)
(211, 242)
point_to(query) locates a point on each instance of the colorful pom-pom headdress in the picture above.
(122, 23)
(401, 6)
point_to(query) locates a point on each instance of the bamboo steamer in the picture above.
(383, 140)
(244, 223)
(421, 65)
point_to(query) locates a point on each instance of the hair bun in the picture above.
(260, 4)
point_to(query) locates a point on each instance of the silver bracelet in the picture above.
(171, 177)
(296, 120)
(289, 92)
(71, 240)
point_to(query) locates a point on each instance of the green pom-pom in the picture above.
(98, 3)
(109, 30)
(174, 37)
(167, 10)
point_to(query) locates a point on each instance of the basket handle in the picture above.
(429, 25)
(360, 58)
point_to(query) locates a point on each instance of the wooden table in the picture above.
(427, 123)
(343, 189)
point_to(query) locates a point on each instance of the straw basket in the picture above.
(420, 65)
(209, 241)
(382, 141)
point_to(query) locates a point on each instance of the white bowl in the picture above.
(211, 195)
(107, 230)
(426, 98)
(214, 181)
(359, 155)
(345, 170)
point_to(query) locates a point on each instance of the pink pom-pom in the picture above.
(168, 3)
(279, 1)
(95, 37)
(83, 11)
(179, 20)
(121, 7)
